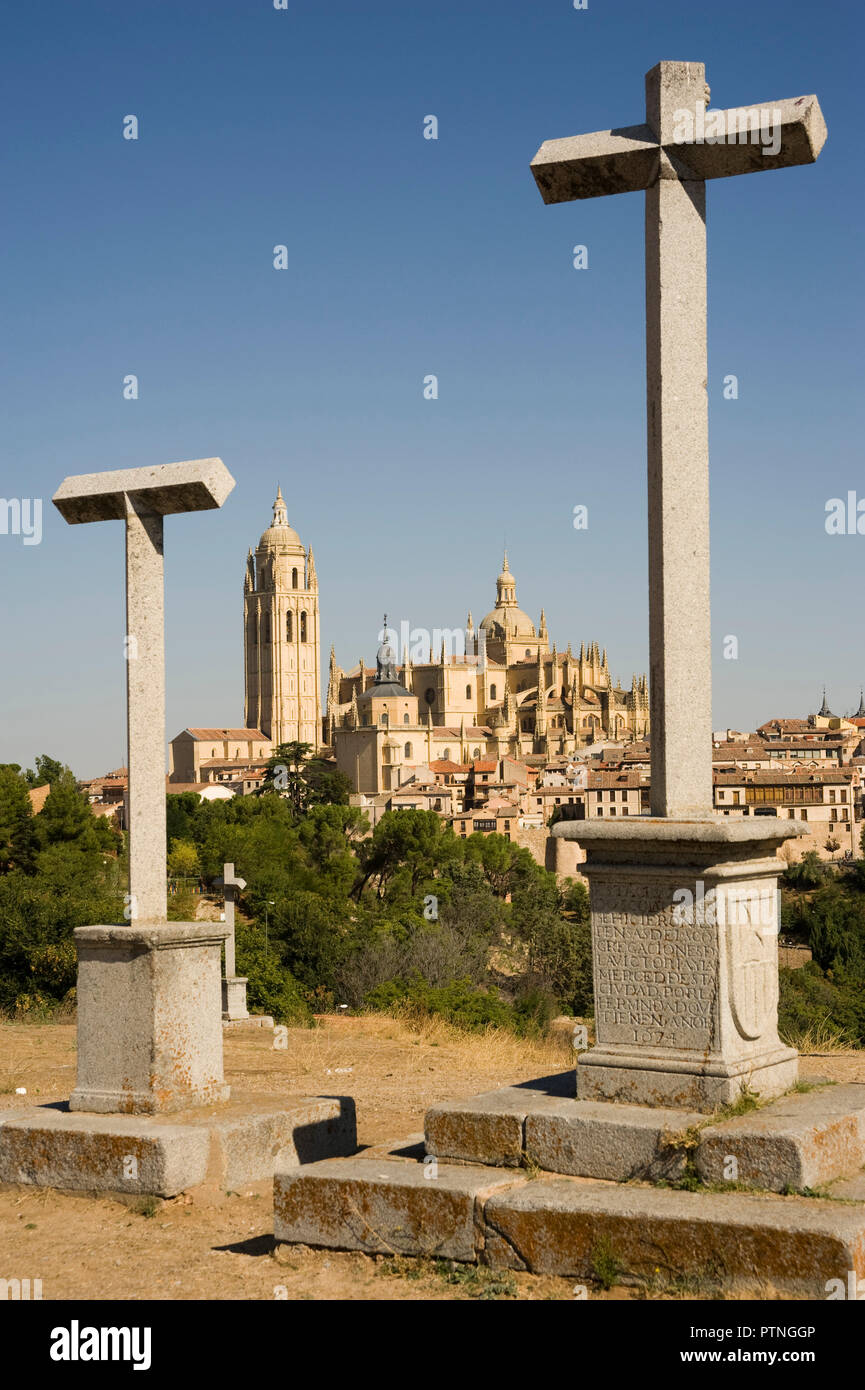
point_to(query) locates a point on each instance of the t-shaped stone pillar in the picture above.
(149, 1031)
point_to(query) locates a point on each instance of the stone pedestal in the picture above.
(234, 999)
(149, 1027)
(685, 949)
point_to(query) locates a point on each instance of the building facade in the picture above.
(502, 690)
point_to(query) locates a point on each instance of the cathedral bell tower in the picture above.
(282, 649)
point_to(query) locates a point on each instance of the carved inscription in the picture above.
(655, 980)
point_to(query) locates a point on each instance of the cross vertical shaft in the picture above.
(145, 704)
(678, 461)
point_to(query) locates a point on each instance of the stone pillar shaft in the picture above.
(145, 704)
(678, 464)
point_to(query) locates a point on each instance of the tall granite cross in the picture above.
(149, 1032)
(679, 147)
(686, 1002)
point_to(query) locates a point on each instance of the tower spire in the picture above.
(280, 516)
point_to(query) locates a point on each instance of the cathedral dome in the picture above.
(513, 621)
(279, 535)
(506, 619)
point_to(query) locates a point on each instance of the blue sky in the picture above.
(409, 257)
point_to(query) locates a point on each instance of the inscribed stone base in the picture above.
(234, 998)
(149, 1025)
(685, 952)
(220, 1147)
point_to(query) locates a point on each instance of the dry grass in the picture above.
(818, 1040)
(330, 1045)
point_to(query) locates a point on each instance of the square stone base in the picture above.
(632, 1078)
(149, 1027)
(221, 1147)
(234, 998)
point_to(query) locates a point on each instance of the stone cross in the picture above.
(149, 1031)
(670, 157)
(142, 497)
(230, 887)
(234, 985)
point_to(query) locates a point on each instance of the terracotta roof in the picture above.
(485, 765)
(445, 765)
(780, 778)
(216, 734)
(38, 796)
(628, 778)
(235, 762)
(791, 726)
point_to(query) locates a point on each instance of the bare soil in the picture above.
(87, 1247)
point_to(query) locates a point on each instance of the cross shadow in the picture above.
(559, 1084)
(254, 1246)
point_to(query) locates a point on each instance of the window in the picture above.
(430, 696)
(303, 627)
(843, 795)
(803, 814)
(507, 825)
(447, 755)
(721, 795)
(289, 626)
(468, 692)
(612, 810)
(600, 810)
(406, 719)
(407, 750)
(294, 579)
(492, 692)
(624, 810)
(832, 798)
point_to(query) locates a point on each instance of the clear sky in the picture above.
(410, 257)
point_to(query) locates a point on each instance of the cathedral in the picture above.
(498, 690)
(281, 639)
(502, 691)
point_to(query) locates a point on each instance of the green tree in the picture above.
(284, 773)
(48, 770)
(18, 840)
(66, 815)
(183, 859)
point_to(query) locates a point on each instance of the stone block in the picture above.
(732, 1242)
(490, 1128)
(191, 486)
(384, 1206)
(225, 1146)
(253, 1023)
(595, 1139)
(802, 1140)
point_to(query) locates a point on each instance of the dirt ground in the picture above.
(85, 1247)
